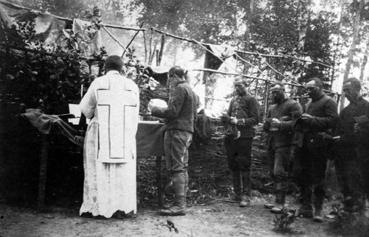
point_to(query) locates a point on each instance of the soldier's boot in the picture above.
(236, 178)
(306, 209)
(318, 202)
(318, 206)
(280, 202)
(348, 204)
(245, 189)
(168, 189)
(354, 205)
(179, 207)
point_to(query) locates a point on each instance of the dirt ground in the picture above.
(211, 213)
(218, 218)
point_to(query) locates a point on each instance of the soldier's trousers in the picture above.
(239, 162)
(363, 158)
(176, 144)
(348, 174)
(313, 163)
(281, 162)
(352, 168)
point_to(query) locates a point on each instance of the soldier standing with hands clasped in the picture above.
(279, 125)
(352, 162)
(316, 126)
(242, 115)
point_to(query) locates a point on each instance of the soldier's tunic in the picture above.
(352, 162)
(314, 151)
(280, 142)
(180, 115)
(238, 146)
(246, 110)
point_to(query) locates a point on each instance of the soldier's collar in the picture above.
(358, 100)
(318, 97)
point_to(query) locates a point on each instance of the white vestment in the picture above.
(112, 103)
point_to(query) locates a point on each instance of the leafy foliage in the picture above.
(272, 27)
(212, 21)
(37, 76)
(67, 8)
(279, 29)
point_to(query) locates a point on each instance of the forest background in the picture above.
(333, 33)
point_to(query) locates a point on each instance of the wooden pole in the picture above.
(282, 56)
(247, 62)
(115, 39)
(256, 85)
(130, 42)
(243, 75)
(157, 57)
(42, 172)
(159, 181)
(150, 46)
(161, 50)
(145, 46)
(266, 99)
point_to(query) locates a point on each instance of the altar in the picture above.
(149, 142)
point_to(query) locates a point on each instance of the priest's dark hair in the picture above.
(113, 62)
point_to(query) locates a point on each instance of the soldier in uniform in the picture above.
(180, 116)
(316, 125)
(352, 163)
(279, 125)
(242, 115)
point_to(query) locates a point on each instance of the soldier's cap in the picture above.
(352, 82)
(313, 83)
(277, 87)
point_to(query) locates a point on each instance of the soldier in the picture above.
(180, 115)
(279, 125)
(352, 161)
(242, 115)
(316, 124)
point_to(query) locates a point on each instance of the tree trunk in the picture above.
(355, 37)
(249, 14)
(303, 22)
(338, 47)
(365, 61)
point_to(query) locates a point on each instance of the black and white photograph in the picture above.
(184, 118)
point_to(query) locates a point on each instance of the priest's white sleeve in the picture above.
(88, 102)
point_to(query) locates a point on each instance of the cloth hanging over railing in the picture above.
(149, 137)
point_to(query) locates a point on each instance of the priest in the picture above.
(112, 104)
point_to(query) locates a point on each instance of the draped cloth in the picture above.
(108, 186)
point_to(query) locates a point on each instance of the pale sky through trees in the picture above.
(127, 13)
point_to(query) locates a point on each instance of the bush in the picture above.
(37, 76)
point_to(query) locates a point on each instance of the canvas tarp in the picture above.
(50, 29)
